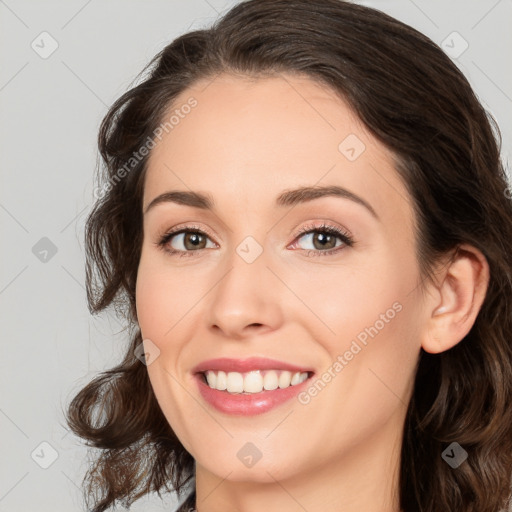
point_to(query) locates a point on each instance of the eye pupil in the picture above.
(324, 239)
(194, 239)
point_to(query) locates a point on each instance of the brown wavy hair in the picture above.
(417, 103)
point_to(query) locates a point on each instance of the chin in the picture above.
(239, 459)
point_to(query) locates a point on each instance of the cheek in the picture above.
(159, 310)
(365, 313)
(149, 307)
(165, 299)
(153, 301)
(340, 301)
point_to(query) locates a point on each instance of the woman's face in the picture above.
(249, 285)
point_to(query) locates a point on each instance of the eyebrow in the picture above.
(287, 198)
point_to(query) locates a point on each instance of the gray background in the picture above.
(50, 113)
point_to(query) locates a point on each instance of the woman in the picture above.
(305, 214)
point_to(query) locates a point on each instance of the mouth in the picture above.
(247, 387)
(253, 382)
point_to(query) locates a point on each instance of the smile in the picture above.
(247, 387)
(254, 381)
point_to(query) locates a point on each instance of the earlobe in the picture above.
(462, 290)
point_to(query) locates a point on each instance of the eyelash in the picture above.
(345, 237)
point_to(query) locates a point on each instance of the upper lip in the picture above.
(246, 365)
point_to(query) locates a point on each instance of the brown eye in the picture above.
(184, 241)
(322, 240)
(194, 240)
(188, 241)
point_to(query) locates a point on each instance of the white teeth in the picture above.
(221, 383)
(211, 378)
(285, 379)
(295, 379)
(235, 382)
(254, 381)
(270, 381)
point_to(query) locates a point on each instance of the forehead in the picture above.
(246, 140)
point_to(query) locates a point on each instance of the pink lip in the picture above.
(247, 404)
(251, 403)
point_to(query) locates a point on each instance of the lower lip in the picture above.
(249, 404)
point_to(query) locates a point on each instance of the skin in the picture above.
(245, 142)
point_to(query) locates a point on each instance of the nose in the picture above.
(246, 299)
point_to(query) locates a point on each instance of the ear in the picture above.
(455, 300)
